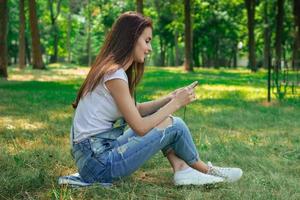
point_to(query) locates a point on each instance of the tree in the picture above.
(250, 6)
(176, 48)
(218, 27)
(68, 46)
(37, 60)
(163, 29)
(89, 25)
(27, 50)
(267, 46)
(139, 6)
(73, 10)
(267, 36)
(3, 38)
(278, 47)
(296, 46)
(188, 63)
(278, 38)
(22, 55)
(55, 30)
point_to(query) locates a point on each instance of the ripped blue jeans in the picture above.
(117, 158)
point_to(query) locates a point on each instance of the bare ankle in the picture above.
(180, 166)
(200, 166)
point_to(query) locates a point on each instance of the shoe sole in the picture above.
(72, 182)
(187, 182)
(236, 178)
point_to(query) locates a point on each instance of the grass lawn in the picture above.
(231, 123)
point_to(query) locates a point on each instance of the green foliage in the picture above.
(13, 31)
(218, 27)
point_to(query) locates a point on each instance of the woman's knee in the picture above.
(175, 122)
(181, 125)
(165, 123)
(179, 121)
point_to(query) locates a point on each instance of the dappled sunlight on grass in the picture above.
(12, 123)
(207, 109)
(174, 70)
(153, 176)
(18, 145)
(39, 78)
(53, 73)
(248, 92)
(59, 115)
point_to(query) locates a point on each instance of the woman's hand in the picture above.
(185, 95)
(174, 93)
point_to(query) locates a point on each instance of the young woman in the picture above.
(104, 153)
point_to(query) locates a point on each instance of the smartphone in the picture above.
(194, 84)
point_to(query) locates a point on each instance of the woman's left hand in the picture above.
(173, 94)
(190, 87)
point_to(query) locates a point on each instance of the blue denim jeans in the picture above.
(105, 160)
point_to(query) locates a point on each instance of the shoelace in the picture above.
(214, 171)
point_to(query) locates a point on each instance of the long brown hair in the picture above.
(116, 52)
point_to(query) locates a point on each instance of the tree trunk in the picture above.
(172, 57)
(216, 60)
(162, 52)
(37, 60)
(267, 37)
(278, 46)
(55, 30)
(15, 59)
(176, 48)
(278, 38)
(296, 48)
(69, 33)
(27, 50)
(235, 55)
(22, 63)
(89, 46)
(89, 52)
(3, 38)
(250, 5)
(53, 57)
(188, 65)
(139, 6)
(196, 54)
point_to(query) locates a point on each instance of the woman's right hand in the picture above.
(185, 96)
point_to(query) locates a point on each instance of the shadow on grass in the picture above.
(204, 76)
(31, 171)
(26, 99)
(30, 109)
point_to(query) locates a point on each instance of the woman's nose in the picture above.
(149, 48)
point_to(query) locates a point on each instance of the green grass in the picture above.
(231, 123)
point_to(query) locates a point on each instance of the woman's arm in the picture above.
(141, 125)
(150, 107)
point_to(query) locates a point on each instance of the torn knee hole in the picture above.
(122, 149)
(168, 122)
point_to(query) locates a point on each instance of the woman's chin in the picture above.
(142, 61)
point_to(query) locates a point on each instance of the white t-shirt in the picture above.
(97, 111)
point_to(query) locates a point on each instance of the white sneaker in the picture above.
(73, 180)
(229, 174)
(191, 176)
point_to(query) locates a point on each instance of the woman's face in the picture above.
(143, 46)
